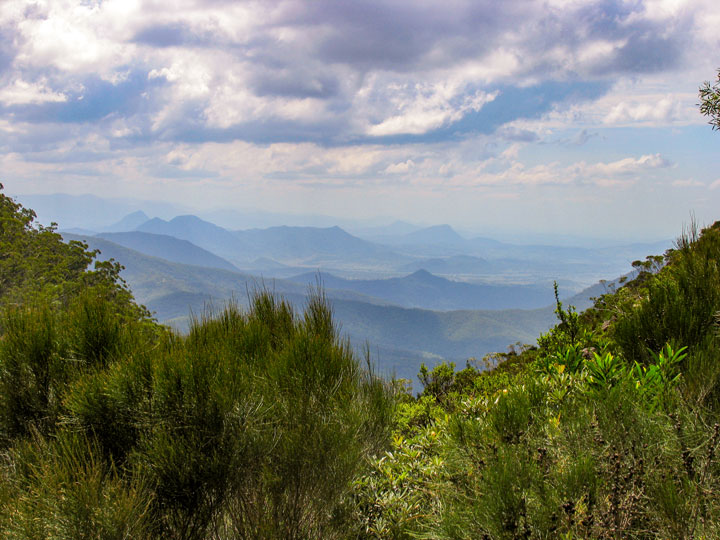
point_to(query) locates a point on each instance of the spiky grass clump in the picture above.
(252, 426)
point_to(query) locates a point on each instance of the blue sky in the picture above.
(554, 116)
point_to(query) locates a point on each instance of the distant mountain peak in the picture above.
(424, 275)
(137, 215)
(436, 234)
(187, 218)
(443, 227)
(129, 222)
(152, 221)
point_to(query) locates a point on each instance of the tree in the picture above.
(36, 264)
(710, 101)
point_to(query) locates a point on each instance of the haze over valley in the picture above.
(413, 294)
(435, 168)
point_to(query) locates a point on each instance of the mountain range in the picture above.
(168, 248)
(413, 294)
(424, 290)
(378, 312)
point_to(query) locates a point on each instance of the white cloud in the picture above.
(624, 167)
(616, 173)
(422, 108)
(76, 38)
(23, 93)
(666, 110)
(400, 168)
(688, 182)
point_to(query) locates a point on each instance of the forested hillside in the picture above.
(111, 426)
(262, 422)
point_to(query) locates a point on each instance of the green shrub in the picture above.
(251, 427)
(62, 488)
(32, 371)
(678, 304)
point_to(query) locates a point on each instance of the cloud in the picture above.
(173, 34)
(423, 108)
(625, 167)
(24, 93)
(376, 69)
(689, 182)
(607, 174)
(400, 168)
(454, 95)
(512, 133)
(665, 110)
(581, 138)
(87, 100)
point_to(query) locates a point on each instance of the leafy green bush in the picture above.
(252, 427)
(679, 303)
(32, 372)
(62, 488)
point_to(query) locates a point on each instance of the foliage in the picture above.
(62, 488)
(678, 303)
(589, 438)
(401, 494)
(37, 266)
(252, 426)
(710, 101)
(262, 424)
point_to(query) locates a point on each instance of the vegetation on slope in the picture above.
(608, 429)
(36, 265)
(262, 424)
(252, 426)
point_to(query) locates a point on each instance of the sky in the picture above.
(553, 116)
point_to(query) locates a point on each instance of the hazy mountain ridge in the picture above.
(454, 265)
(129, 223)
(333, 249)
(153, 279)
(169, 248)
(424, 290)
(315, 245)
(405, 318)
(402, 337)
(202, 233)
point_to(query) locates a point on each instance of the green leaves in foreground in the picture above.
(253, 426)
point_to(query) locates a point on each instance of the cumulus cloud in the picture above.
(625, 167)
(607, 174)
(457, 94)
(665, 110)
(291, 70)
(426, 107)
(23, 93)
(400, 168)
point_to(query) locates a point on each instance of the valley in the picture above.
(408, 294)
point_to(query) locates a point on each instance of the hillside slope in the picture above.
(424, 290)
(169, 248)
(402, 337)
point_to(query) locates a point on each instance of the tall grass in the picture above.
(680, 302)
(60, 487)
(32, 371)
(251, 426)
